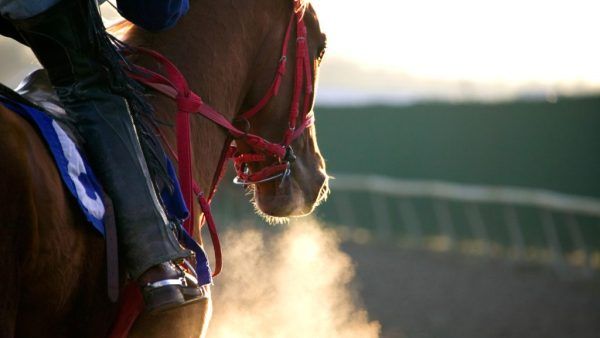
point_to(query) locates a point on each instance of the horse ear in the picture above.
(300, 6)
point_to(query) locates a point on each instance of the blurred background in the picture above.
(464, 141)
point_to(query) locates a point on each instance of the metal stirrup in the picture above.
(166, 282)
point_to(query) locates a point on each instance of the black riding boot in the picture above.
(66, 42)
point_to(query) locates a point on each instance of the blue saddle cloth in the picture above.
(80, 180)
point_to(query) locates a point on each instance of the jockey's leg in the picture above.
(19, 9)
(64, 40)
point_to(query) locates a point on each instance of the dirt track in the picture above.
(435, 295)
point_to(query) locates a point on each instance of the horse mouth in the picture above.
(276, 201)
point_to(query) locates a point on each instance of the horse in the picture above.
(53, 262)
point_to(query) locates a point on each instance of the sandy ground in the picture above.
(440, 295)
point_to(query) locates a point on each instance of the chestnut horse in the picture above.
(53, 262)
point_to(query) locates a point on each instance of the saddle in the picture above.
(36, 89)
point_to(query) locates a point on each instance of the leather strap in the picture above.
(112, 251)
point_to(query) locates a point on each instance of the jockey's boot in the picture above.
(66, 43)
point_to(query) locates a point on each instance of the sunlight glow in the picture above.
(401, 52)
(510, 41)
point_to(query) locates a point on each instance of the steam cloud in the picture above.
(293, 284)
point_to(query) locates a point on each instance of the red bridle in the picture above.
(174, 85)
(283, 151)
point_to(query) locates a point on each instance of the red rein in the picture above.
(174, 85)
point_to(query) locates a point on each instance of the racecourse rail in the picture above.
(540, 225)
(525, 225)
(465, 192)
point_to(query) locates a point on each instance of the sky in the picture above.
(462, 48)
(402, 51)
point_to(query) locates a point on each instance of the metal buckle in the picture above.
(166, 282)
(287, 172)
(289, 156)
(283, 175)
(237, 180)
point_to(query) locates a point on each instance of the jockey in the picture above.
(68, 38)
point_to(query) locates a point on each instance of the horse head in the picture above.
(256, 63)
(291, 49)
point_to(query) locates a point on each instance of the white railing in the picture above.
(467, 192)
(392, 201)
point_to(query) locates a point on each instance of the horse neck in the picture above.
(214, 47)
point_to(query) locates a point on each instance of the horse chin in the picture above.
(277, 201)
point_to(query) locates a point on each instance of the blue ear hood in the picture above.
(153, 15)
